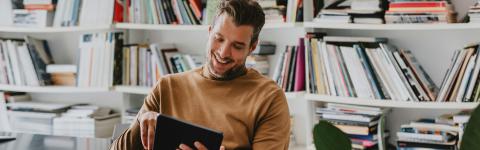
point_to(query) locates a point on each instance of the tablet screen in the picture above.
(171, 132)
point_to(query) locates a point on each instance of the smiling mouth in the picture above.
(220, 60)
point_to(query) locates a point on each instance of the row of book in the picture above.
(289, 71)
(187, 12)
(23, 62)
(59, 13)
(143, 64)
(461, 82)
(366, 68)
(361, 123)
(390, 12)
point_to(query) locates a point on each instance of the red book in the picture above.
(418, 4)
(48, 7)
(300, 69)
(118, 11)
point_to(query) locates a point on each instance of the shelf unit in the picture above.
(301, 101)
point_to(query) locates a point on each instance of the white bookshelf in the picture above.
(391, 103)
(13, 29)
(52, 89)
(352, 26)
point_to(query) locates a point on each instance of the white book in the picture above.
(357, 73)
(408, 73)
(85, 10)
(442, 127)
(108, 12)
(61, 68)
(17, 70)
(26, 2)
(278, 67)
(381, 70)
(354, 107)
(59, 12)
(397, 78)
(433, 137)
(323, 56)
(465, 79)
(8, 63)
(26, 62)
(3, 65)
(473, 80)
(358, 118)
(67, 14)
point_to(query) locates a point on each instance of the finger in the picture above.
(222, 147)
(184, 147)
(199, 146)
(151, 136)
(143, 134)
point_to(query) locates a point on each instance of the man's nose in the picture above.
(225, 51)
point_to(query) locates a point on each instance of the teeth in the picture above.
(220, 60)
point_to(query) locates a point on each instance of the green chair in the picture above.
(471, 136)
(328, 137)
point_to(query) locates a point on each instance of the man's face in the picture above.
(228, 47)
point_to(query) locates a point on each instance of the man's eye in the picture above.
(219, 39)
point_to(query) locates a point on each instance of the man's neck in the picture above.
(207, 74)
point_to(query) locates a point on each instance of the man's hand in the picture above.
(148, 122)
(198, 145)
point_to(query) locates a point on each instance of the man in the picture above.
(224, 95)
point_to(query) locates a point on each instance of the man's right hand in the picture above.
(148, 122)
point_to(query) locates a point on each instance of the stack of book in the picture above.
(419, 11)
(365, 67)
(35, 13)
(474, 13)
(96, 62)
(427, 134)
(143, 64)
(273, 13)
(130, 115)
(290, 68)
(86, 121)
(64, 75)
(24, 61)
(5, 98)
(361, 123)
(461, 83)
(334, 11)
(259, 63)
(188, 12)
(34, 117)
(368, 11)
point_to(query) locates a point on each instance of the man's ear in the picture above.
(253, 47)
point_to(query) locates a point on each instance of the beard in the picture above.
(235, 71)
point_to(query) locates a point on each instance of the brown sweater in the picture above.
(250, 110)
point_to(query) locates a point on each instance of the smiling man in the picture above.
(250, 109)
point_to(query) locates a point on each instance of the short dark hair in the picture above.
(243, 12)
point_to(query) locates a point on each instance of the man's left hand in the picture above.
(197, 144)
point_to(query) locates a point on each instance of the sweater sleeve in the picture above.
(130, 139)
(273, 129)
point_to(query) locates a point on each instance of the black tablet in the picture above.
(171, 132)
